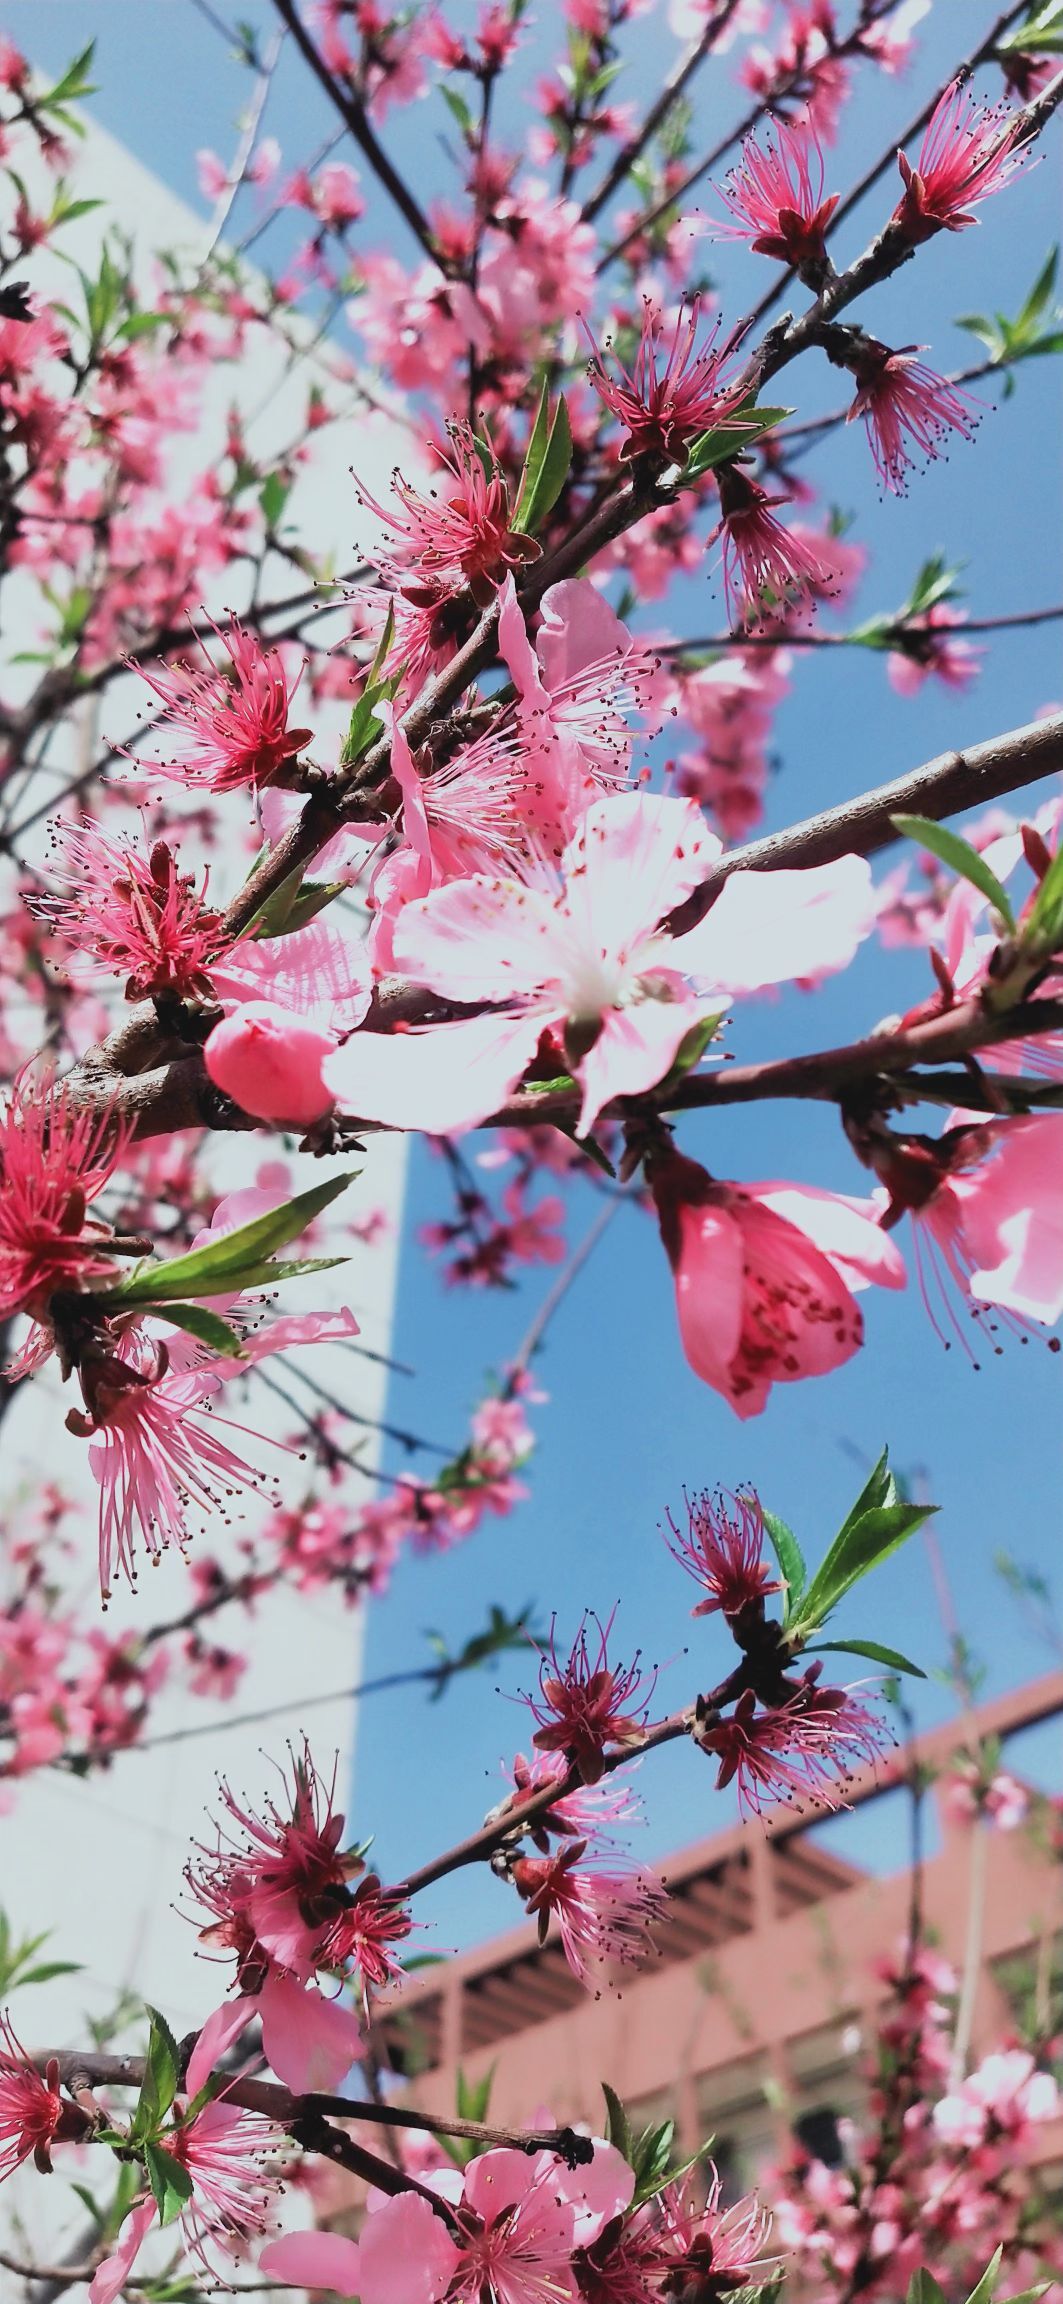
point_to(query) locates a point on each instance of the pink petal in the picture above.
(597, 2192)
(405, 2254)
(218, 2034)
(634, 858)
(516, 649)
(110, 2277)
(634, 1049)
(315, 972)
(310, 2042)
(578, 627)
(482, 939)
(313, 2260)
(781, 927)
(441, 1079)
(710, 1292)
(847, 1230)
(269, 1061)
(498, 2179)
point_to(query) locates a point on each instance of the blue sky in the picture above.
(627, 1424)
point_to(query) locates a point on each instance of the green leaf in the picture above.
(273, 496)
(207, 1328)
(140, 323)
(238, 1259)
(45, 1971)
(474, 2097)
(986, 2288)
(935, 583)
(791, 1560)
(1042, 33)
(1041, 293)
(652, 2159)
(74, 82)
(617, 2125)
(960, 857)
(857, 1549)
(162, 2068)
(1042, 931)
(923, 2289)
(170, 2182)
(545, 467)
(727, 441)
(457, 107)
(891, 1657)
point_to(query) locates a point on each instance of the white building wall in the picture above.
(98, 1863)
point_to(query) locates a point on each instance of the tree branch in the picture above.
(353, 113)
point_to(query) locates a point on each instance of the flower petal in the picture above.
(442, 1079)
(313, 2260)
(781, 927)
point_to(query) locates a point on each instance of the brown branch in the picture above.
(852, 199)
(286, 2108)
(353, 114)
(678, 79)
(1021, 619)
(179, 1094)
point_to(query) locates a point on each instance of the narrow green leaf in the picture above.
(162, 2067)
(474, 2097)
(534, 454)
(923, 2289)
(170, 2182)
(207, 1328)
(44, 1973)
(617, 2125)
(226, 1263)
(879, 1654)
(541, 489)
(960, 857)
(863, 1546)
(652, 2159)
(1041, 293)
(273, 496)
(457, 107)
(1043, 930)
(986, 2288)
(727, 441)
(791, 1560)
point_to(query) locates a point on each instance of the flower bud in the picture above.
(269, 1062)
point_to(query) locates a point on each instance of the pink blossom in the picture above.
(905, 405)
(461, 538)
(155, 1451)
(775, 197)
(764, 1277)
(800, 1749)
(767, 569)
(233, 2198)
(664, 412)
(589, 963)
(605, 1906)
(968, 151)
(212, 174)
(1013, 1220)
(590, 955)
(581, 1705)
(138, 916)
(925, 645)
(32, 2111)
(234, 718)
(270, 1063)
(966, 1795)
(54, 1160)
(281, 1882)
(723, 1550)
